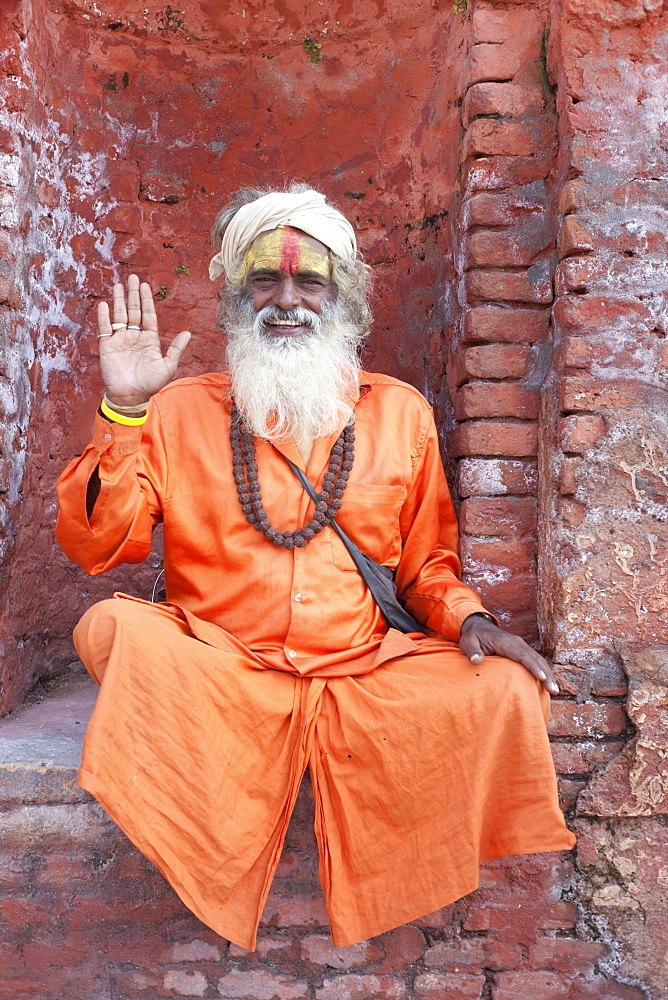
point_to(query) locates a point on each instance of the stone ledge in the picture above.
(40, 746)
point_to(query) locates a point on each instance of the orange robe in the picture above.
(265, 661)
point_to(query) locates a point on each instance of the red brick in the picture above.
(576, 274)
(566, 954)
(490, 61)
(580, 393)
(473, 952)
(134, 985)
(573, 196)
(506, 99)
(599, 314)
(496, 361)
(506, 325)
(578, 433)
(362, 988)
(298, 911)
(402, 946)
(319, 950)
(498, 516)
(527, 286)
(589, 719)
(494, 173)
(446, 986)
(567, 480)
(446, 917)
(581, 757)
(516, 554)
(195, 951)
(491, 248)
(569, 790)
(513, 595)
(561, 915)
(603, 988)
(490, 137)
(536, 985)
(521, 921)
(487, 437)
(277, 950)
(522, 25)
(495, 477)
(519, 206)
(261, 984)
(187, 984)
(572, 512)
(482, 399)
(573, 237)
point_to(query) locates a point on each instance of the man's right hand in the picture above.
(131, 360)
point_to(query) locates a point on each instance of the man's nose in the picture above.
(287, 294)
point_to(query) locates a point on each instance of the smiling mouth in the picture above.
(285, 326)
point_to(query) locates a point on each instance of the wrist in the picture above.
(478, 614)
(131, 409)
(135, 418)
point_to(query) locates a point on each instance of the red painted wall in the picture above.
(131, 125)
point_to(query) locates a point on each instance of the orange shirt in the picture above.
(421, 769)
(305, 611)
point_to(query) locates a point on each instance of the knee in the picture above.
(95, 633)
(518, 686)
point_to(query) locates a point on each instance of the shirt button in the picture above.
(298, 597)
(107, 437)
(291, 654)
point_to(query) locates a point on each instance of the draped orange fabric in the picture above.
(264, 661)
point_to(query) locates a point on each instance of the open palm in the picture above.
(131, 359)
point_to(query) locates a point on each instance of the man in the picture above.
(428, 751)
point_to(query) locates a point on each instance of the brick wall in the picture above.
(505, 256)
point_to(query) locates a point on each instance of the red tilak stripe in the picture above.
(290, 251)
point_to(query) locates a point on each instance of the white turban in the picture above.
(307, 211)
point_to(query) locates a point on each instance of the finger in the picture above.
(515, 648)
(178, 346)
(120, 310)
(470, 646)
(103, 321)
(149, 319)
(134, 302)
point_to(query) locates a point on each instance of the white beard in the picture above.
(291, 385)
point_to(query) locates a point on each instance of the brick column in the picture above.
(505, 265)
(604, 474)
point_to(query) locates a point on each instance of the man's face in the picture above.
(286, 270)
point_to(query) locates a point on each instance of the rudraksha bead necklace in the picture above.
(250, 495)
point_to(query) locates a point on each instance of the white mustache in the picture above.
(271, 315)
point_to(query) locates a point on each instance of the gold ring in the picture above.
(117, 326)
(101, 335)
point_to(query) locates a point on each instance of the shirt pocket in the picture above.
(370, 518)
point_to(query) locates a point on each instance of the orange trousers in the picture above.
(421, 770)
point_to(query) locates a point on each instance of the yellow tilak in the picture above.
(286, 249)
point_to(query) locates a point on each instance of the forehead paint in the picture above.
(286, 249)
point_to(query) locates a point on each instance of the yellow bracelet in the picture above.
(120, 418)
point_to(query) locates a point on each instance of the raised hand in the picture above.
(479, 637)
(131, 359)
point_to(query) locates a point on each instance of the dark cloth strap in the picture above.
(379, 579)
